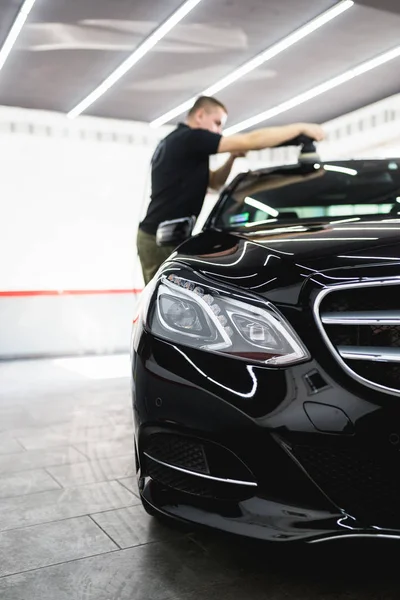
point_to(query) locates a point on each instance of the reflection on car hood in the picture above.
(261, 260)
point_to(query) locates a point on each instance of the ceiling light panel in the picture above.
(135, 57)
(268, 54)
(316, 91)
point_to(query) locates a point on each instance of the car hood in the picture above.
(281, 257)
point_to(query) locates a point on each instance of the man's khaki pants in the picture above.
(151, 256)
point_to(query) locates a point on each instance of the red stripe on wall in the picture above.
(27, 293)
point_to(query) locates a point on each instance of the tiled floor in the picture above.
(72, 527)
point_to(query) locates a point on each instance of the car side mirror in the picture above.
(174, 232)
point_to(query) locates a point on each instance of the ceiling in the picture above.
(67, 47)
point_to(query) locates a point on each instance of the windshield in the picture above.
(313, 192)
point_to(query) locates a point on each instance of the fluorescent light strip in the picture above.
(134, 58)
(316, 91)
(15, 30)
(258, 60)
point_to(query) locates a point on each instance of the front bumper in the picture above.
(259, 518)
(297, 460)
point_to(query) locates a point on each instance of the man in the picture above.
(180, 174)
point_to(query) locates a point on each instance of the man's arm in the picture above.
(219, 176)
(269, 137)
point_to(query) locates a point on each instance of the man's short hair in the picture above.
(206, 102)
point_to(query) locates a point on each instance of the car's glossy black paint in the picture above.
(262, 414)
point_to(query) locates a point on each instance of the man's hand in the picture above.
(238, 154)
(313, 131)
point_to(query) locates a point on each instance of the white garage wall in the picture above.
(72, 193)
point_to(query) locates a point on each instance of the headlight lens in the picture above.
(181, 315)
(207, 319)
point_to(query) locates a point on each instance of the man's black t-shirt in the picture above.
(179, 175)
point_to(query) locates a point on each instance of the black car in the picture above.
(266, 358)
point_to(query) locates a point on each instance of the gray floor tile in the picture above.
(131, 484)
(37, 459)
(14, 416)
(63, 504)
(70, 419)
(118, 416)
(26, 482)
(106, 469)
(49, 544)
(44, 414)
(154, 571)
(133, 526)
(39, 374)
(94, 451)
(65, 435)
(8, 445)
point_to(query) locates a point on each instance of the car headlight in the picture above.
(208, 319)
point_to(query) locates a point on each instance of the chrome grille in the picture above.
(361, 326)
